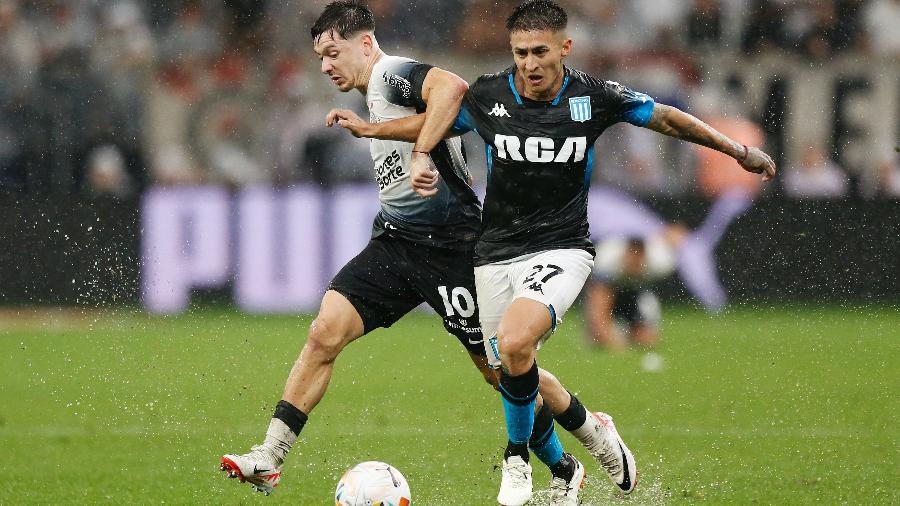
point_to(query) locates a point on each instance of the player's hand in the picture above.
(423, 175)
(350, 121)
(759, 163)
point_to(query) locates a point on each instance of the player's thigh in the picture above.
(445, 279)
(523, 326)
(553, 278)
(338, 322)
(376, 286)
(625, 305)
(494, 294)
(637, 307)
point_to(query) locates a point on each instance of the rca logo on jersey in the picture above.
(540, 149)
(499, 111)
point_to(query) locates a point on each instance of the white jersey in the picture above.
(452, 217)
(609, 263)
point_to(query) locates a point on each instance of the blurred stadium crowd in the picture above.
(110, 96)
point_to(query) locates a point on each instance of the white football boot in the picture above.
(515, 486)
(565, 493)
(601, 439)
(258, 468)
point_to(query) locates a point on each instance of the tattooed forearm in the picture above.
(675, 123)
(659, 121)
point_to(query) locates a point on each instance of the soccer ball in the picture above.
(372, 484)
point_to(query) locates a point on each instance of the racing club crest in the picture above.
(580, 108)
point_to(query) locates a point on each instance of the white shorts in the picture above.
(553, 278)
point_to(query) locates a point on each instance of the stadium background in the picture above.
(216, 110)
(105, 100)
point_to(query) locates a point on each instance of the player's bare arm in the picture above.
(442, 92)
(676, 123)
(402, 129)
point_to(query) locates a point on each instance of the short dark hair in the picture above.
(536, 15)
(345, 18)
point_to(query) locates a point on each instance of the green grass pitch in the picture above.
(763, 405)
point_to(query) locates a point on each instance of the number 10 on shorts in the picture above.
(459, 300)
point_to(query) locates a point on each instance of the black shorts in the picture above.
(392, 276)
(636, 307)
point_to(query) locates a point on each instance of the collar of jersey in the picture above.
(512, 86)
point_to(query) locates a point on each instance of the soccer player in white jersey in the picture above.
(539, 120)
(421, 249)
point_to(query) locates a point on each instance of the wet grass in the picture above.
(768, 405)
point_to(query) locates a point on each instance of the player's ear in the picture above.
(368, 42)
(566, 47)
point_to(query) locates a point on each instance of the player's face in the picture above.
(343, 60)
(634, 261)
(539, 56)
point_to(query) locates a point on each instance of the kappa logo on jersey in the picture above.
(580, 108)
(540, 149)
(499, 111)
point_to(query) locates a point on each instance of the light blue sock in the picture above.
(519, 417)
(551, 451)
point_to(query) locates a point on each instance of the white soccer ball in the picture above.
(372, 484)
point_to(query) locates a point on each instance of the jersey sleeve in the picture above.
(464, 121)
(404, 83)
(626, 104)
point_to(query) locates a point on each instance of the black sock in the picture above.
(291, 416)
(574, 416)
(516, 449)
(564, 469)
(543, 422)
(520, 389)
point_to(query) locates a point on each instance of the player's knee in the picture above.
(516, 348)
(324, 341)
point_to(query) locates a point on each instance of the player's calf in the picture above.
(323, 342)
